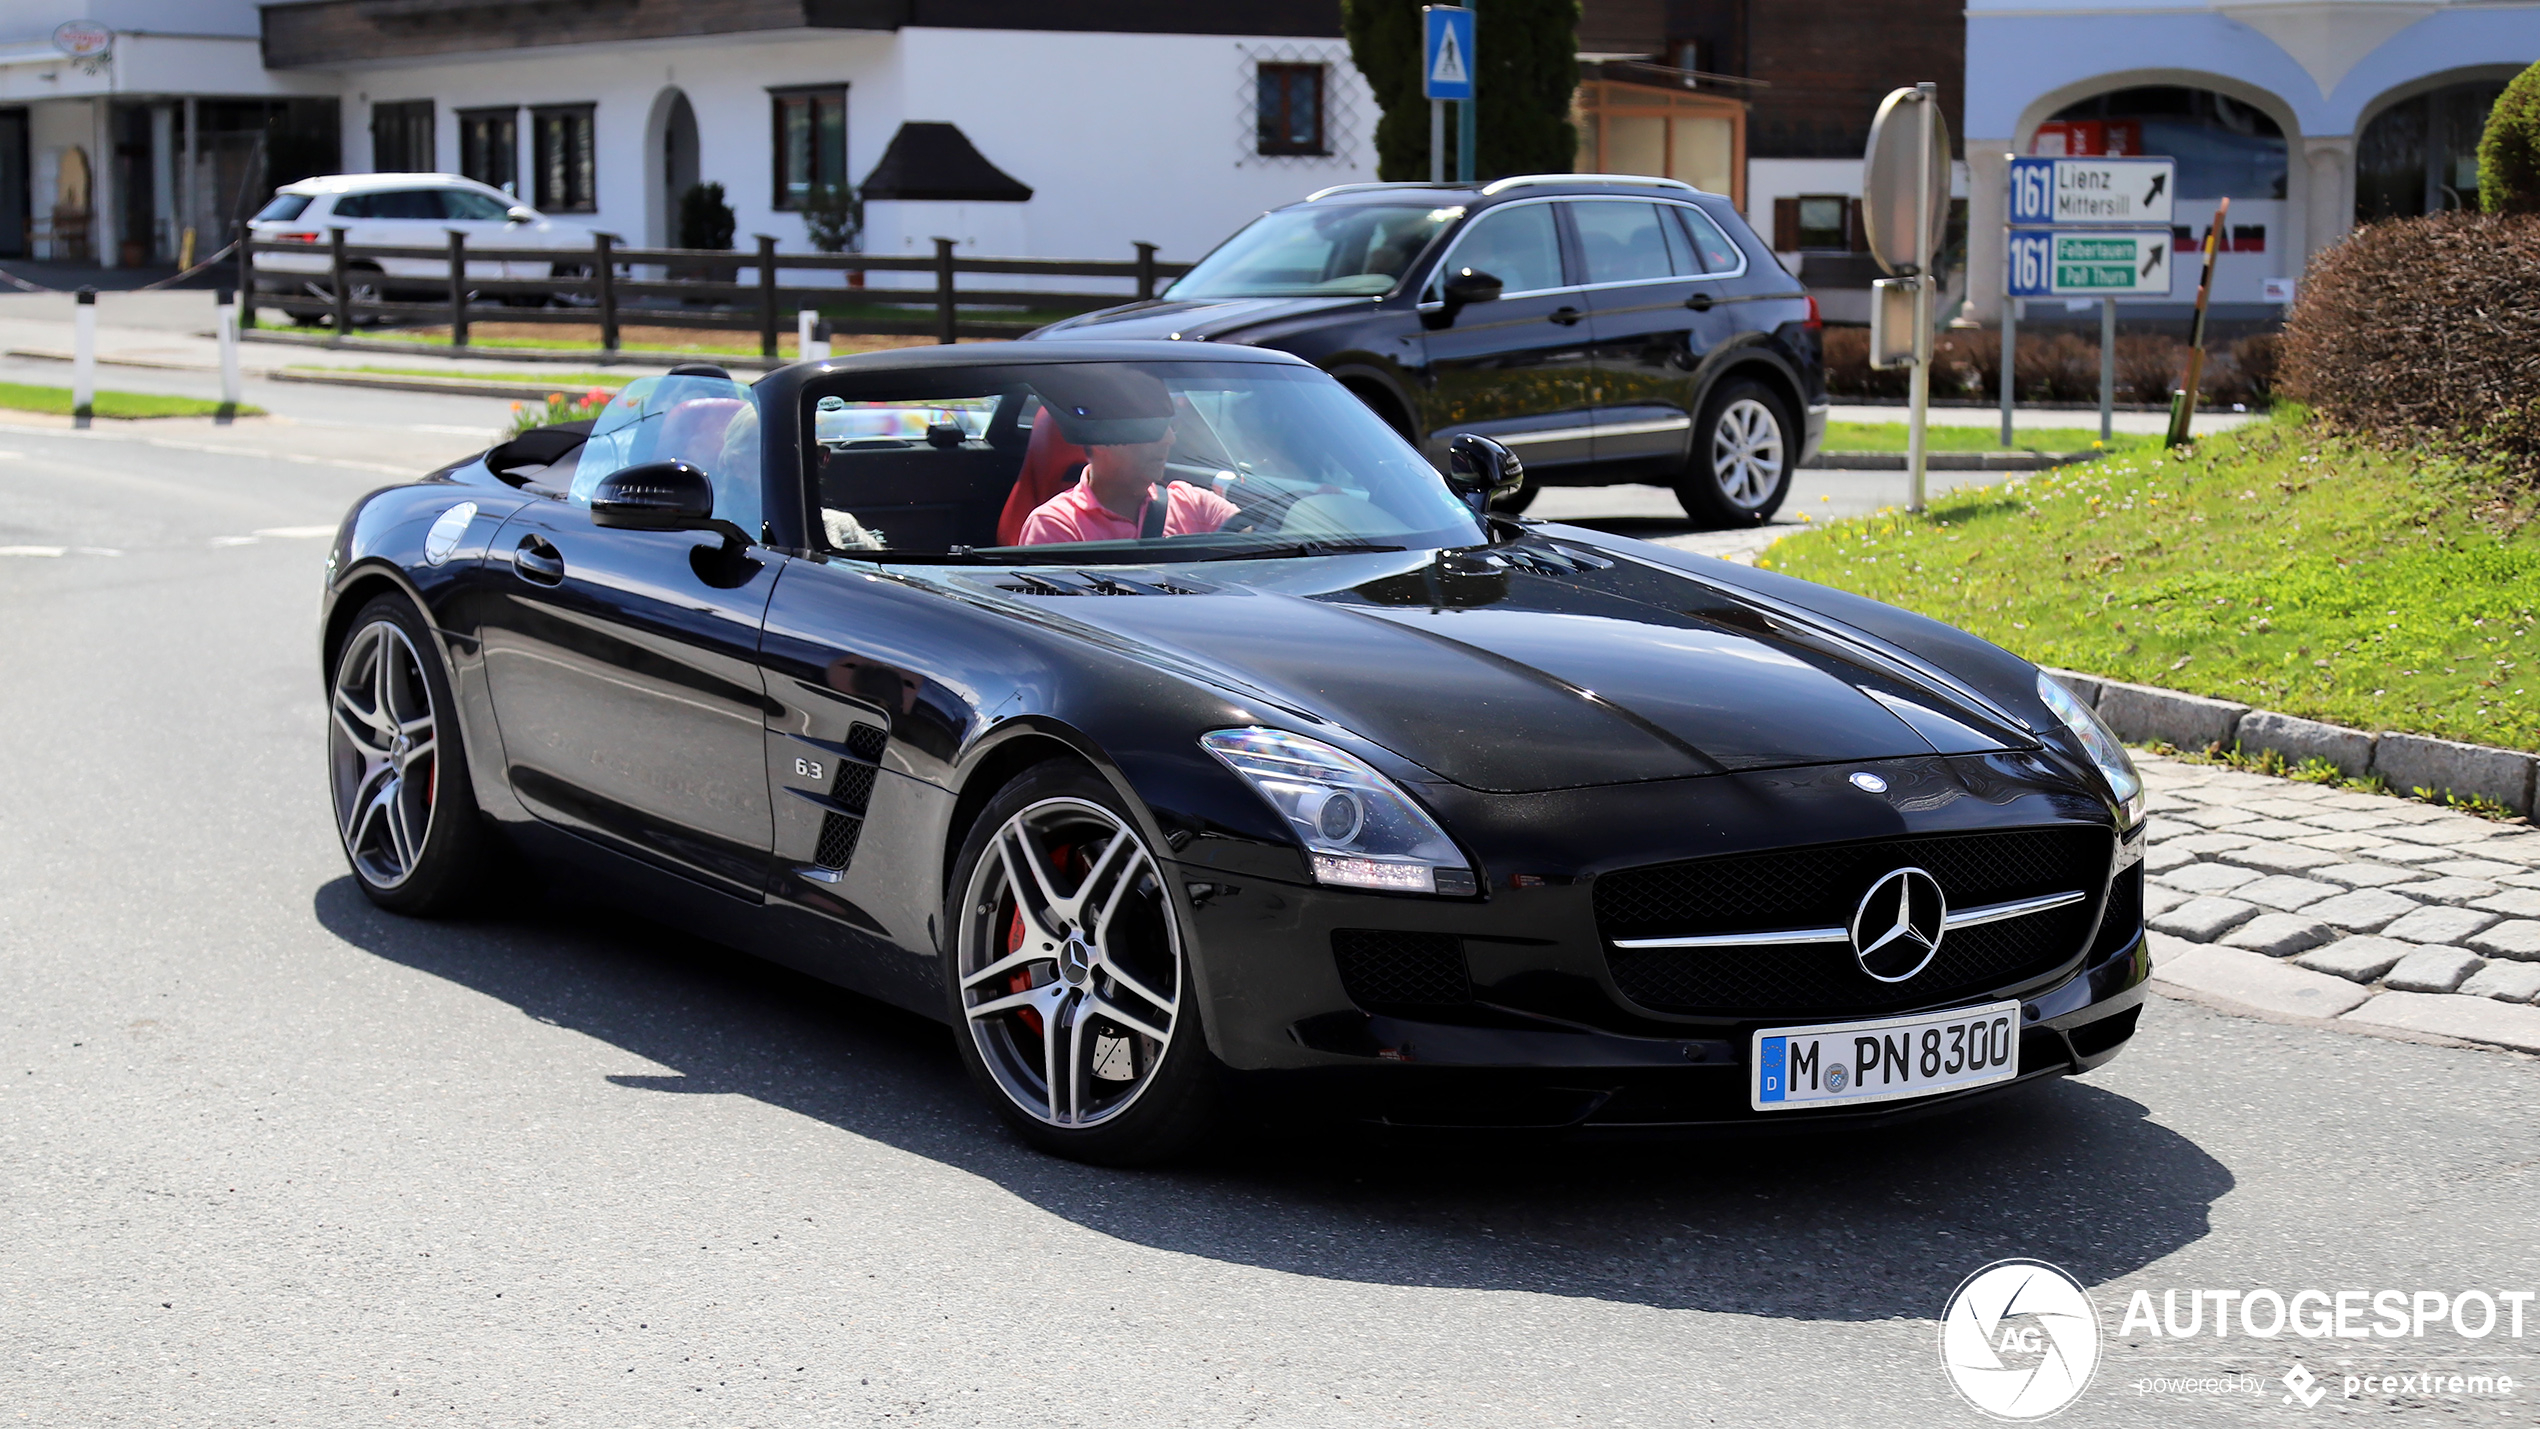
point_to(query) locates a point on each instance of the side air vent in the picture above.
(842, 821)
(1401, 972)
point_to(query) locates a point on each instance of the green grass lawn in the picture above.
(2275, 565)
(1890, 437)
(21, 397)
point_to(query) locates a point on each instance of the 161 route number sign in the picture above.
(2090, 263)
(2070, 193)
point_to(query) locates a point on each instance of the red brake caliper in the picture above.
(1021, 978)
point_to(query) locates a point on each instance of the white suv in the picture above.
(403, 211)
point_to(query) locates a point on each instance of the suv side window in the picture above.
(1626, 242)
(1519, 245)
(465, 203)
(1719, 255)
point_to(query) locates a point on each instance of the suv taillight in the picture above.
(312, 238)
(1815, 323)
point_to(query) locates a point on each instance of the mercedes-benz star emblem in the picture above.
(1896, 930)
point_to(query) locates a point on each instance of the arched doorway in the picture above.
(2420, 155)
(670, 166)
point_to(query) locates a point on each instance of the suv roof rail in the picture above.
(1518, 181)
(1361, 188)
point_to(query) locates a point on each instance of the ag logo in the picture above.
(2019, 1339)
(1896, 929)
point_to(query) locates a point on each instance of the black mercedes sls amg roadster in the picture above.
(1156, 717)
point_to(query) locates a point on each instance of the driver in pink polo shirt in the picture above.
(1123, 493)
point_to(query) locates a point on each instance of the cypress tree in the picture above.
(1526, 72)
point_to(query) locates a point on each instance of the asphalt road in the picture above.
(268, 1156)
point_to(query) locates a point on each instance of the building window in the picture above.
(401, 138)
(1289, 110)
(489, 147)
(2421, 154)
(568, 174)
(811, 142)
(1825, 222)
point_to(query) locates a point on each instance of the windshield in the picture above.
(1118, 462)
(284, 207)
(1357, 249)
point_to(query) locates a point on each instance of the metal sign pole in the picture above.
(2009, 376)
(1465, 112)
(1437, 141)
(2107, 370)
(1918, 422)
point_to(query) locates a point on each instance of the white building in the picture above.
(1074, 130)
(124, 122)
(2311, 115)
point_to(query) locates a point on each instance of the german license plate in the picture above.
(1895, 1057)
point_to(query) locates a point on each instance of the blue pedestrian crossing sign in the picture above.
(1446, 52)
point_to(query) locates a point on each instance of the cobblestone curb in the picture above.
(2146, 713)
(2305, 900)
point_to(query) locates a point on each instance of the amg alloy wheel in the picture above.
(1741, 459)
(403, 804)
(1067, 975)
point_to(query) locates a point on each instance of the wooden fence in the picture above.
(700, 289)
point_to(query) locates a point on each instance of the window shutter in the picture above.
(1785, 225)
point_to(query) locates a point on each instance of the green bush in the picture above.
(2509, 152)
(1525, 72)
(2425, 332)
(705, 220)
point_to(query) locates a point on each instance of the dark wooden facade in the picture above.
(325, 33)
(1827, 63)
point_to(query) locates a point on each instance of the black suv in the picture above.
(1608, 329)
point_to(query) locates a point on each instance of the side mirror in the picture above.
(1471, 285)
(660, 496)
(1480, 471)
(517, 214)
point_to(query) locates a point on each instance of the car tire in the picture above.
(405, 808)
(1744, 447)
(1092, 943)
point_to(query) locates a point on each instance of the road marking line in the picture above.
(33, 550)
(297, 533)
(233, 540)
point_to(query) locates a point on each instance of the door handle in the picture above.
(537, 562)
(1566, 316)
(1700, 302)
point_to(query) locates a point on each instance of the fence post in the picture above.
(228, 333)
(604, 271)
(766, 296)
(343, 294)
(458, 288)
(946, 314)
(1146, 271)
(246, 272)
(84, 356)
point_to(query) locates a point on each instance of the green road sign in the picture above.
(2091, 263)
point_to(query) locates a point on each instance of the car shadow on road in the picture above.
(1851, 1227)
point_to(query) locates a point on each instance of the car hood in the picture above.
(1193, 321)
(1503, 674)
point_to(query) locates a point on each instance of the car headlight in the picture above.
(2101, 744)
(1359, 831)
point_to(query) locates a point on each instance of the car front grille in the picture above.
(1393, 972)
(1819, 887)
